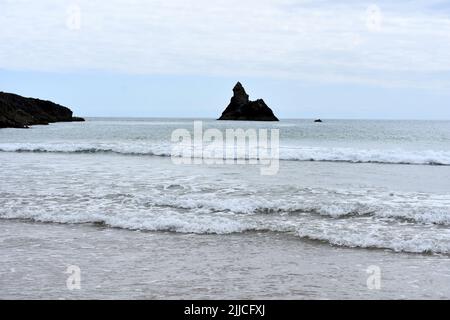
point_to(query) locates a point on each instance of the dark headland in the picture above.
(241, 108)
(20, 112)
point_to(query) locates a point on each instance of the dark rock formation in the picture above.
(20, 112)
(241, 108)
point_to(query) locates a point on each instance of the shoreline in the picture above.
(288, 234)
(124, 264)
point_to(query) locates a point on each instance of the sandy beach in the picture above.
(123, 264)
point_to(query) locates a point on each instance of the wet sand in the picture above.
(124, 264)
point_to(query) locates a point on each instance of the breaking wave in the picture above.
(287, 153)
(346, 222)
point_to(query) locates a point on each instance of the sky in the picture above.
(176, 58)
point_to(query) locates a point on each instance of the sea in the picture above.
(351, 200)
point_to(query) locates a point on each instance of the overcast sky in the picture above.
(323, 58)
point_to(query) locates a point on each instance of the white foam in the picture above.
(357, 235)
(391, 156)
(419, 208)
(344, 223)
(397, 241)
(288, 153)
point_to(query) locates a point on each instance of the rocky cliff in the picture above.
(19, 112)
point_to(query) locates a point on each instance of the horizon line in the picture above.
(212, 118)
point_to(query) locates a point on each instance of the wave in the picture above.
(287, 153)
(387, 156)
(138, 150)
(415, 223)
(404, 207)
(356, 236)
(417, 208)
(418, 244)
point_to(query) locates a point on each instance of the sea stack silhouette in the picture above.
(20, 112)
(241, 108)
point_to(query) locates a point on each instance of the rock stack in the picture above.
(241, 108)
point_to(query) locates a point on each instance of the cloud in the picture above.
(406, 43)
